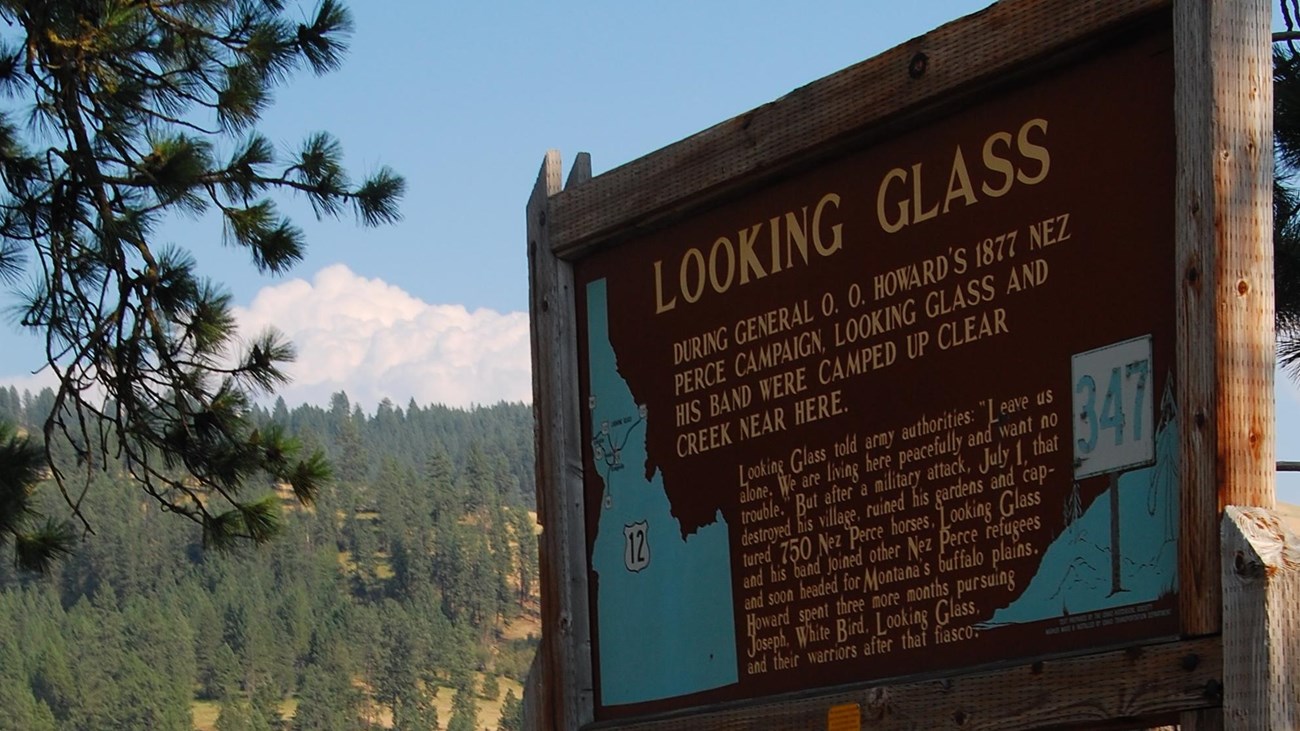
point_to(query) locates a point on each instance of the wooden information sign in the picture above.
(910, 410)
(908, 399)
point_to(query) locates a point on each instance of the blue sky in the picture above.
(464, 99)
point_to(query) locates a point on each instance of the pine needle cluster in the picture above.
(1286, 203)
(37, 540)
(114, 115)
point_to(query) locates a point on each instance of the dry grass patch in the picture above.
(205, 713)
(489, 710)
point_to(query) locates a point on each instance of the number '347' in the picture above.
(1113, 406)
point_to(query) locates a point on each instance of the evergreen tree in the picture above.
(22, 712)
(512, 713)
(480, 484)
(462, 568)
(418, 713)
(526, 539)
(440, 478)
(464, 712)
(394, 656)
(159, 651)
(237, 714)
(280, 412)
(326, 701)
(503, 561)
(349, 455)
(363, 547)
(225, 671)
(132, 104)
(11, 406)
(265, 701)
(146, 697)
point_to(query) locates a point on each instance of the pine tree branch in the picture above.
(144, 352)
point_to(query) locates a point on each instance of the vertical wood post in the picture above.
(567, 701)
(1261, 614)
(1223, 208)
(534, 692)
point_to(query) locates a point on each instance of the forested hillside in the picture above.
(404, 598)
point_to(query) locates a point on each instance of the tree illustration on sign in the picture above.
(1113, 425)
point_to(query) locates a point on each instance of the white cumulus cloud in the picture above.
(374, 340)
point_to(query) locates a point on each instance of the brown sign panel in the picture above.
(910, 411)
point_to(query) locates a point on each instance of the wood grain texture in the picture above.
(1202, 720)
(853, 106)
(1195, 370)
(534, 693)
(580, 173)
(1223, 98)
(566, 640)
(1086, 692)
(1261, 621)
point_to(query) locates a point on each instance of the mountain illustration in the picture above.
(1077, 574)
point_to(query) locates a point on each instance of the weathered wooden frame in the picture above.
(1223, 103)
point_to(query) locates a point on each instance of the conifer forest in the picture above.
(404, 597)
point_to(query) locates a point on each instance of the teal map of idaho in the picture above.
(664, 617)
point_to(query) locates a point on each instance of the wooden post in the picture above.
(534, 691)
(1261, 611)
(1223, 97)
(567, 701)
